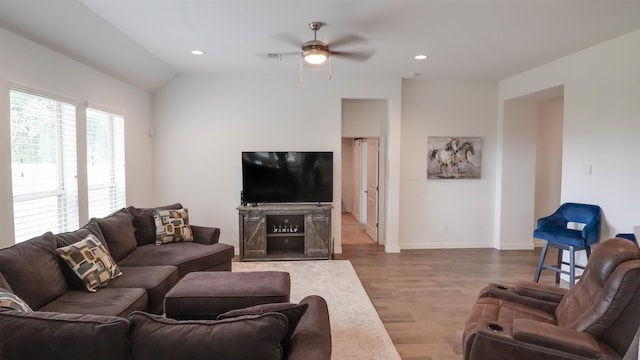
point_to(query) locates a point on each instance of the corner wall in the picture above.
(203, 123)
(601, 129)
(28, 64)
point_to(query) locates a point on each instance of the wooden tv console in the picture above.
(285, 232)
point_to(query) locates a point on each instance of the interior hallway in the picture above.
(353, 232)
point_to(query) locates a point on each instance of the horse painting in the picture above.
(453, 158)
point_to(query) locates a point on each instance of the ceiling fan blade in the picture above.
(359, 56)
(277, 55)
(349, 39)
(289, 38)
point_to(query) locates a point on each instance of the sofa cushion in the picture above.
(145, 224)
(248, 337)
(106, 301)
(32, 270)
(156, 280)
(71, 237)
(118, 233)
(91, 262)
(55, 336)
(293, 312)
(172, 226)
(187, 257)
(11, 301)
(90, 228)
(4, 284)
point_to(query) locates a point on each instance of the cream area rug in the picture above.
(356, 329)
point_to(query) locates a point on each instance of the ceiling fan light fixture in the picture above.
(315, 56)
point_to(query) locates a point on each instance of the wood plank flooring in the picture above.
(424, 296)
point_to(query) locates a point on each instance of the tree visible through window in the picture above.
(43, 165)
(105, 162)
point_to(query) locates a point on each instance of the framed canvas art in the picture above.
(454, 157)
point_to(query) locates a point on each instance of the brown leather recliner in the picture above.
(596, 319)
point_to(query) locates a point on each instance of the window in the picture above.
(105, 162)
(43, 164)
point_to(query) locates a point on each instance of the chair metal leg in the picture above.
(559, 265)
(572, 266)
(543, 253)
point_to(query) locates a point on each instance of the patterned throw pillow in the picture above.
(172, 226)
(13, 302)
(91, 262)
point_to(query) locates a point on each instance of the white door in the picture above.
(372, 188)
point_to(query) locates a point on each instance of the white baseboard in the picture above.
(442, 245)
(392, 249)
(449, 245)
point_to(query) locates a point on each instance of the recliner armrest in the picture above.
(540, 291)
(511, 294)
(205, 235)
(554, 337)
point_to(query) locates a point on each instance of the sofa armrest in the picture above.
(61, 336)
(311, 340)
(205, 235)
(554, 337)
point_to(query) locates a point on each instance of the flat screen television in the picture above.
(286, 177)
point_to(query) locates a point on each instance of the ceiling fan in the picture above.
(316, 52)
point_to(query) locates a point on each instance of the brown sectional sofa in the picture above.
(36, 274)
(69, 322)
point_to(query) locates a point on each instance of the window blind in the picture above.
(105, 162)
(43, 164)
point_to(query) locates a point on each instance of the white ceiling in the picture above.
(147, 42)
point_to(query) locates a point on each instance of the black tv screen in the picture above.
(284, 177)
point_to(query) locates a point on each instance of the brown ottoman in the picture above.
(206, 294)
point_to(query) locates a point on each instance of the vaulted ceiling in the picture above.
(147, 42)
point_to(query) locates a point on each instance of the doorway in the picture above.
(531, 165)
(365, 124)
(360, 190)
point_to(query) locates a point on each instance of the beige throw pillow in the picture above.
(91, 262)
(172, 226)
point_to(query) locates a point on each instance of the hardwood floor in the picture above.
(354, 232)
(424, 296)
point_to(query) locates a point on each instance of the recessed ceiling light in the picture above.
(197, 52)
(420, 57)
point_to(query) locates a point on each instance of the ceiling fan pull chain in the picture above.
(301, 82)
(330, 68)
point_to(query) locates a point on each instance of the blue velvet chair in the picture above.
(629, 236)
(556, 233)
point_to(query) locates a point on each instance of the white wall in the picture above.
(348, 174)
(601, 128)
(548, 158)
(25, 63)
(203, 123)
(364, 118)
(446, 213)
